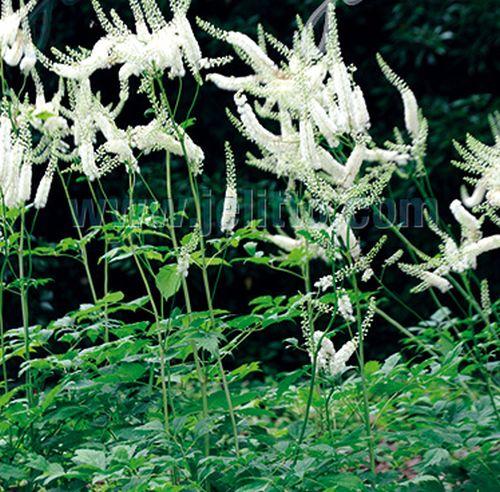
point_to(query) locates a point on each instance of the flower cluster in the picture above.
(153, 44)
(189, 246)
(228, 221)
(15, 167)
(484, 162)
(458, 257)
(16, 45)
(334, 362)
(19, 123)
(75, 126)
(316, 111)
(328, 359)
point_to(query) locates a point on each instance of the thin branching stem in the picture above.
(81, 242)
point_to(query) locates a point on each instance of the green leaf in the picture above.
(390, 363)
(424, 483)
(90, 457)
(54, 472)
(127, 373)
(8, 472)
(345, 482)
(113, 297)
(372, 367)
(168, 281)
(435, 457)
(218, 400)
(49, 398)
(5, 399)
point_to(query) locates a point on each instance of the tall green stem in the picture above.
(2, 330)
(155, 312)
(25, 310)
(187, 298)
(366, 406)
(106, 264)
(206, 284)
(312, 382)
(160, 341)
(2, 290)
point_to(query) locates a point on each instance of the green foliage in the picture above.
(188, 365)
(98, 417)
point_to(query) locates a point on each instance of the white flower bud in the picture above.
(434, 280)
(228, 221)
(25, 177)
(412, 121)
(43, 191)
(87, 156)
(471, 227)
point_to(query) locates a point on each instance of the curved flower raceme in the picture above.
(153, 44)
(328, 360)
(16, 46)
(157, 136)
(483, 161)
(455, 257)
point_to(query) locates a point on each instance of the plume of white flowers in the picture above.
(99, 143)
(152, 44)
(483, 161)
(324, 283)
(286, 243)
(471, 227)
(31, 134)
(15, 162)
(455, 257)
(16, 45)
(314, 250)
(42, 194)
(314, 98)
(334, 362)
(458, 257)
(345, 308)
(412, 116)
(186, 250)
(162, 135)
(230, 210)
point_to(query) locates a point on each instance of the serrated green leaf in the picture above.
(168, 281)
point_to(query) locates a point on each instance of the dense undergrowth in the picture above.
(160, 391)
